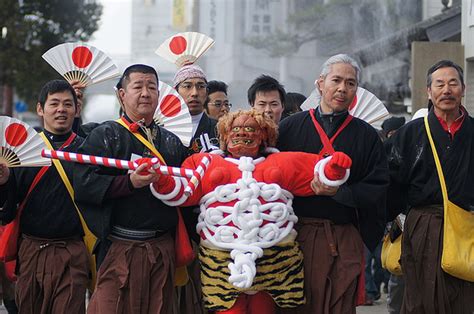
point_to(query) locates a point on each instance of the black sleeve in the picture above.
(397, 199)
(92, 182)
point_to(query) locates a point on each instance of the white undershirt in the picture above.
(195, 119)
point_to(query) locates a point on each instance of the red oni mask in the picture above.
(245, 137)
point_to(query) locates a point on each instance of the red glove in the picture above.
(146, 161)
(336, 167)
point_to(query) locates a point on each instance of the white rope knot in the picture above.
(243, 270)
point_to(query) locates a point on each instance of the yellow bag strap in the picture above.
(442, 182)
(143, 140)
(68, 185)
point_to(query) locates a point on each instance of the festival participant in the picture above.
(415, 185)
(248, 252)
(333, 223)
(134, 228)
(53, 264)
(191, 83)
(267, 95)
(217, 104)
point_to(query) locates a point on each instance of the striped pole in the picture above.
(197, 176)
(115, 163)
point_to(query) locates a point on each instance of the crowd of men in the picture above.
(136, 231)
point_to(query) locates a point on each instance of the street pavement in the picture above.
(379, 307)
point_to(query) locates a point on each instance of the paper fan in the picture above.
(172, 113)
(20, 145)
(365, 106)
(80, 61)
(184, 48)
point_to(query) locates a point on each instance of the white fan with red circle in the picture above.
(20, 144)
(184, 48)
(83, 62)
(365, 106)
(172, 113)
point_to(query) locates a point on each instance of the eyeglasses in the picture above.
(219, 104)
(189, 86)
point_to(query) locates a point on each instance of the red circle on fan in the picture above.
(16, 134)
(81, 56)
(170, 106)
(178, 45)
(353, 103)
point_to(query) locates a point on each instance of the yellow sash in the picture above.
(89, 238)
(181, 274)
(143, 140)
(458, 229)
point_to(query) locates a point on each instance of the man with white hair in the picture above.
(334, 224)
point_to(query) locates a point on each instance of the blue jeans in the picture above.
(374, 273)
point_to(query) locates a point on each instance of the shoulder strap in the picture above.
(442, 182)
(37, 178)
(65, 179)
(143, 140)
(327, 143)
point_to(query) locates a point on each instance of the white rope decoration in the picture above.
(247, 238)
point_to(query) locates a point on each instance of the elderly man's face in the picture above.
(338, 88)
(194, 93)
(446, 90)
(140, 96)
(245, 137)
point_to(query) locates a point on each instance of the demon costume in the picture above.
(134, 228)
(331, 228)
(415, 185)
(246, 220)
(52, 260)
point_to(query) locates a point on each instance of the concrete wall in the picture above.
(423, 56)
(467, 38)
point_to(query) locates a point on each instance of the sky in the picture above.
(114, 33)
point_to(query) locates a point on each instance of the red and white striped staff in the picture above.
(197, 176)
(115, 163)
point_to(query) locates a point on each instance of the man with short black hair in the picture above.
(53, 264)
(217, 104)
(136, 249)
(267, 95)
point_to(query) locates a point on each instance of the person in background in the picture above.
(415, 187)
(334, 224)
(391, 125)
(375, 275)
(191, 83)
(267, 95)
(217, 104)
(53, 265)
(293, 103)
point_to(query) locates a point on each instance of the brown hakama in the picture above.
(136, 277)
(52, 276)
(428, 289)
(333, 258)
